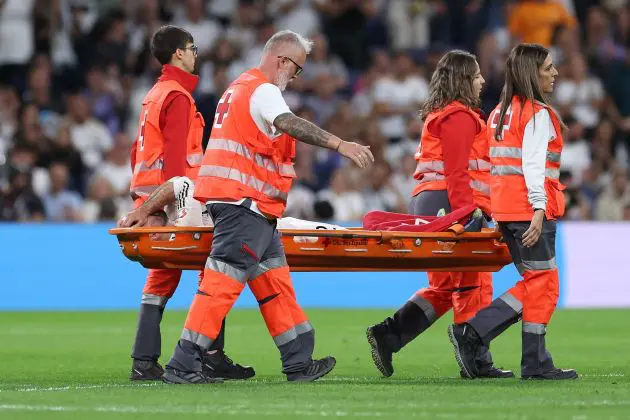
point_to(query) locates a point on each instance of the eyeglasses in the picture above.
(299, 68)
(193, 48)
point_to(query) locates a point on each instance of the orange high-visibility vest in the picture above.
(430, 168)
(148, 171)
(240, 160)
(508, 189)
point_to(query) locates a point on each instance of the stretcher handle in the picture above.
(353, 233)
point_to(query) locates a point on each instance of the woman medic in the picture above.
(525, 140)
(453, 171)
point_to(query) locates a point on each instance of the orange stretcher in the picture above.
(355, 249)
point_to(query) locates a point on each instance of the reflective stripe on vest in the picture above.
(438, 166)
(239, 149)
(517, 153)
(142, 167)
(250, 181)
(499, 170)
(479, 165)
(480, 186)
(194, 159)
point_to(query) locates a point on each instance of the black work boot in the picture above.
(381, 354)
(398, 330)
(466, 344)
(554, 374)
(146, 370)
(216, 364)
(315, 370)
(174, 376)
(486, 366)
(494, 372)
(536, 361)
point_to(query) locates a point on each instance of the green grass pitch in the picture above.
(76, 364)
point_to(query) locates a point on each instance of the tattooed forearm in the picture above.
(305, 131)
(163, 195)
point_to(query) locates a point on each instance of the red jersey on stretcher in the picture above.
(384, 220)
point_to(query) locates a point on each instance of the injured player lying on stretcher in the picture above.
(176, 197)
(181, 209)
(386, 241)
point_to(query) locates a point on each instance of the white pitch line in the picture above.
(78, 387)
(283, 409)
(605, 375)
(185, 410)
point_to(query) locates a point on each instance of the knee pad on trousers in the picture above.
(276, 297)
(542, 290)
(162, 282)
(472, 293)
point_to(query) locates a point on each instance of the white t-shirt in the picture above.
(581, 95)
(265, 104)
(538, 133)
(393, 92)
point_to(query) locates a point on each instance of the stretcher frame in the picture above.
(355, 249)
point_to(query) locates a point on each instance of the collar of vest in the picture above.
(258, 74)
(187, 80)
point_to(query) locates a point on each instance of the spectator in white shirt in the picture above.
(204, 31)
(17, 42)
(296, 15)
(115, 169)
(346, 200)
(62, 205)
(321, 61)
(89, 136)
(324, 101)
(399, 95)
(580, 95)
(610, 205)
(576, 153)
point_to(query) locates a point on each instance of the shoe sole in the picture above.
(145, 379)
(319, 375)
(376, 357)
(174, 379)
(458, 357)
(210, 374)
(538, 378)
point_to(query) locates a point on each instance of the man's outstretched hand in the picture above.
(359, 154)
(139, 218)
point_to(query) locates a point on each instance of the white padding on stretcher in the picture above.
(293, 223)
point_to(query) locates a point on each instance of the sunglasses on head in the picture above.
(299, 68)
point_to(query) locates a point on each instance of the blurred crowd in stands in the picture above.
(73, 74)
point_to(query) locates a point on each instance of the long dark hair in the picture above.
(522, 79)
(451, 81)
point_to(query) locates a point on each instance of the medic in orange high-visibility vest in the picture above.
(525, 140)
(170, 132)
(244, 180)
(453, 171)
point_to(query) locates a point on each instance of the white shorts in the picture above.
(187, 211)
